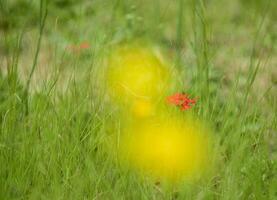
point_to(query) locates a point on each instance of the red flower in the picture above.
(84, 45)
(181, 100)
(78, 48)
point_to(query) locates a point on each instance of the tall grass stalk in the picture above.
(43, 11)
(180, 32)
(201, 50)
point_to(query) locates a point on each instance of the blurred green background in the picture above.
(225, 51)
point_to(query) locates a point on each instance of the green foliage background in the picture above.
(226, 54)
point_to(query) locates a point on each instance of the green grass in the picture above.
(55, 121)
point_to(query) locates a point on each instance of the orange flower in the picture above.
(77, 48)
(84, 45)
(181, 100)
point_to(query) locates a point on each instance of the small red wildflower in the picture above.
(84, 45)
(181, 100)
(78, 48)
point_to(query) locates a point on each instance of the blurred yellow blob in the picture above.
(166, 149)
(143, 108)
(152, 142)
(137, 76)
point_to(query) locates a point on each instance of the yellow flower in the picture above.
(166, 148)
(143, 108)
(136, 74)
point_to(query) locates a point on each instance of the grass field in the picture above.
(56, 120)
